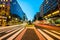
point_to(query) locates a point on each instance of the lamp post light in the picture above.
(9, 17)
(16, 19)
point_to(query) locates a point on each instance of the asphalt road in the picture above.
(30, 35)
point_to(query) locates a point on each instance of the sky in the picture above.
(30, 7)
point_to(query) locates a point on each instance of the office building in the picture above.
(50, 8)
(4, 11)
(41, 11)
(16, 9)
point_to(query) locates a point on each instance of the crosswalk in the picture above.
(10, 33)
(7, 29)
(13, 36)
(50, 34)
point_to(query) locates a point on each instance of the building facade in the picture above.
(4, 11)
(50, 8)
(8, 7)
(37, 16)
(16, 9)
(41, 11)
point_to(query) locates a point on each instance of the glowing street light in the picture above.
(16, 19)
(9, 16)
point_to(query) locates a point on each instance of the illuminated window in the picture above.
(46, 1)
(6, 0)
(1, 0)
(3, 5)
(0, 19)
(9, 16)
(10, 0)
(0, 5)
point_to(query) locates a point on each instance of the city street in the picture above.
(29, 19)
(28, 33)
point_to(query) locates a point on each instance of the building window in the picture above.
(3, 5)
(10, 0)
(46, 1)
(3, 8)
(6, 10)
(0, 5)
(1, 0)
(6, 0)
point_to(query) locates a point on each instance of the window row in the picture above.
(2, 5)
(5, 0)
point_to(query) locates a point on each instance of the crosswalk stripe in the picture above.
(5, 30)
(8, 34)
(47, 37)
(10, 30)
(13, 36)
(55, 32)
(52, 34)
(2, 31)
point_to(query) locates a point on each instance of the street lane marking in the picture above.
(55, 32)
(44, 34)
(52, 34)
(13, 36)
(9, 26)
(11, 30)
(7, 31)
(19, 37)
(39, 35)
(8, 34)
(4, 30)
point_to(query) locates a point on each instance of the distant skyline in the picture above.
(30, 7)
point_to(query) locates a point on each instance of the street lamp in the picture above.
(9, 17)
(16, 19)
